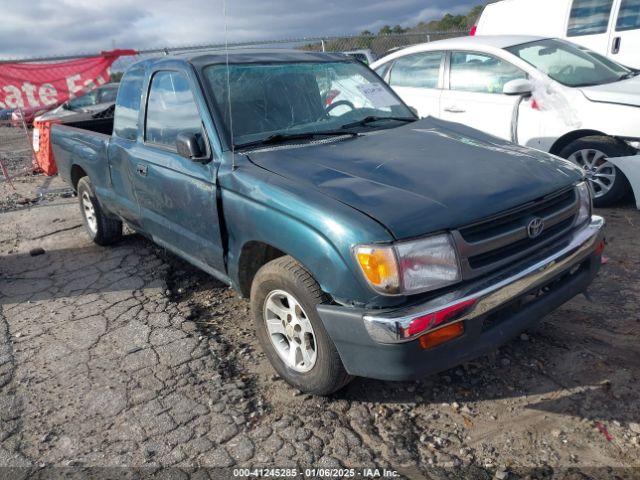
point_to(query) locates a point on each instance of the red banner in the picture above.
(31, 85)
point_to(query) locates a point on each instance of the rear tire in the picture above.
(608, 183)
(284, 297)
(101, 229)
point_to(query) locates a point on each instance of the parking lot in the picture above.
(127, 356)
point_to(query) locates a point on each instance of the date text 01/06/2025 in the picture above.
(316, 472)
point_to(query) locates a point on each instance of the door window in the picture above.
(629, 15)
(420, 70)
(589, 17)
(476, 72)
(171, 109)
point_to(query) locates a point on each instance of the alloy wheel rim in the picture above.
(290, 331)
(89, 212)
(599, 171)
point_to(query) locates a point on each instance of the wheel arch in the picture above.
(253, 255)
(569, 137)
(311, 250)
(77, 172)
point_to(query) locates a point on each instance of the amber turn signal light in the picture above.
(380, 267)
(441, 336)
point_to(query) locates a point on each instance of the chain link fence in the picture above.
(377, 45)
(16, 149)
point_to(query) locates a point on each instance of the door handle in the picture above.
(454, 110)
(142, 169)
(615, 47)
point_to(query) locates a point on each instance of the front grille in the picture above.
(503, 239)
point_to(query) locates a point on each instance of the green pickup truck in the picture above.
(370, 242)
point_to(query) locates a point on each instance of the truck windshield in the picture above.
(267, 101)
(569, 64)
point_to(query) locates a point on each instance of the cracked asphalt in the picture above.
(128, 357)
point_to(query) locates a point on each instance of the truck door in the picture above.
(123, 145)
(625, 41)
(177, 196)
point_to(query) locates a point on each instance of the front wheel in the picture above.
(284, 297)
(591, 153)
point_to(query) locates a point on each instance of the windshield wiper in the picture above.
(285, 137)
(628, 75)
(372, 119)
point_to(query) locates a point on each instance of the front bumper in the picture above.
(370, 345)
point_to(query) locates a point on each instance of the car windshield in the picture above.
(568, 64)
(278, 100)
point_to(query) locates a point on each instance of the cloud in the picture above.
(43, 27)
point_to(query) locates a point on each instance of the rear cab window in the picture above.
(125, 122)
(171, 109)
(478, 72)
(418, 70)
(589, 17)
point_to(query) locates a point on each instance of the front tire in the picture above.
(607, 181)
(284, 297)
(101, 229)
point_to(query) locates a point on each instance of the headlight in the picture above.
(410, 267)
(584, 197)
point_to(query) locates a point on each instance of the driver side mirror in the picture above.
(519, 86)
(191, 145)
(414, 110)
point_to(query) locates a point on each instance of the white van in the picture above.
(608, 27)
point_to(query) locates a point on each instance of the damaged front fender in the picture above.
(630, 166)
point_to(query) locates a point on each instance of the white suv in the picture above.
(544, 93)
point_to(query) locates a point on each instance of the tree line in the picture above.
(447, 23)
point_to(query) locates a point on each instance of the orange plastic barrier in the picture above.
(42, 148)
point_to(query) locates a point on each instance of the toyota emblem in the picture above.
(535, 227)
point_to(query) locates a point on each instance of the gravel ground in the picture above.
(127, 356)
(15, 148)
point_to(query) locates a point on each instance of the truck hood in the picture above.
(423, 177)
(624, 92)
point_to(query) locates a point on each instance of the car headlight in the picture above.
(584, 197)
(410, 267)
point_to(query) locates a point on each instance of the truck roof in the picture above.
(239, 56)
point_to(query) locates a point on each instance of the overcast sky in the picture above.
(45, 27)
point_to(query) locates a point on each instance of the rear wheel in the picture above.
(101, 229)
(284, 297)
(591, 154)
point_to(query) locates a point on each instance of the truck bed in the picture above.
(81, 148)
(97, 125)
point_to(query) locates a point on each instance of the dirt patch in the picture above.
(128, 356)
